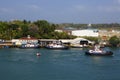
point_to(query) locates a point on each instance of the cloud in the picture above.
(6, 10)
(83, 8)
(109, 8)
(80, 7)
(33, 7)
(19, 9)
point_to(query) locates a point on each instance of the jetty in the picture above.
(14, 43)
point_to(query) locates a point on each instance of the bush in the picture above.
(114, 41)
(95, 39)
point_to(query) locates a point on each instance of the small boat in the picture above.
(98, 52)
(29, 45)
(38, 54)
(56, 45)
(79, 46)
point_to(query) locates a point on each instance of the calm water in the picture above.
(72, 64)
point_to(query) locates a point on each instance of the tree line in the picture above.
(42, 29)
(107, 26)
(39, 29)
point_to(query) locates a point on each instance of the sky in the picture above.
(61, 11)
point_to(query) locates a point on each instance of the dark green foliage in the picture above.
(114, 41)
(44, 29)
(38, 29)
(95, 39)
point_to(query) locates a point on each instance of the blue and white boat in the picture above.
(56, 45)
(29, 45)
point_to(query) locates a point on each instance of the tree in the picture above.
(33, 30)
(114, 41)
(95, 39)
(24, 30)
(4, 33)
(45, 28)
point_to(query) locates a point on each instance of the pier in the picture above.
(5, 45)
(44, 42)
(41, 42)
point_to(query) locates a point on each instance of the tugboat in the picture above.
(98, 52)
(56, 45)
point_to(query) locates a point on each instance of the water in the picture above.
(72, 64)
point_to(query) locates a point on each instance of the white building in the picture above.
(24, 40)
(86, 32)
(77, 42)
(58, 30)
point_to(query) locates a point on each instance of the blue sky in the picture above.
(61, 11)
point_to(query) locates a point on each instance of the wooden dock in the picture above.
(3, 45)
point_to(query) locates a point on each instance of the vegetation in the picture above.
(38, 29)
(45, 30)
(114, 41)
(95, 39)
(111, 26)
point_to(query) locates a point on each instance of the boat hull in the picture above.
(28, 47)
(107, 53)
(48, 47)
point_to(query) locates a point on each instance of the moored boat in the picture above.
(79, 46)
(29, 45)
(56, 45)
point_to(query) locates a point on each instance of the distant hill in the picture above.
(114, 26)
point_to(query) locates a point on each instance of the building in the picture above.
(86, 32)
(25, 40)
(78, 42)
(106, 34)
